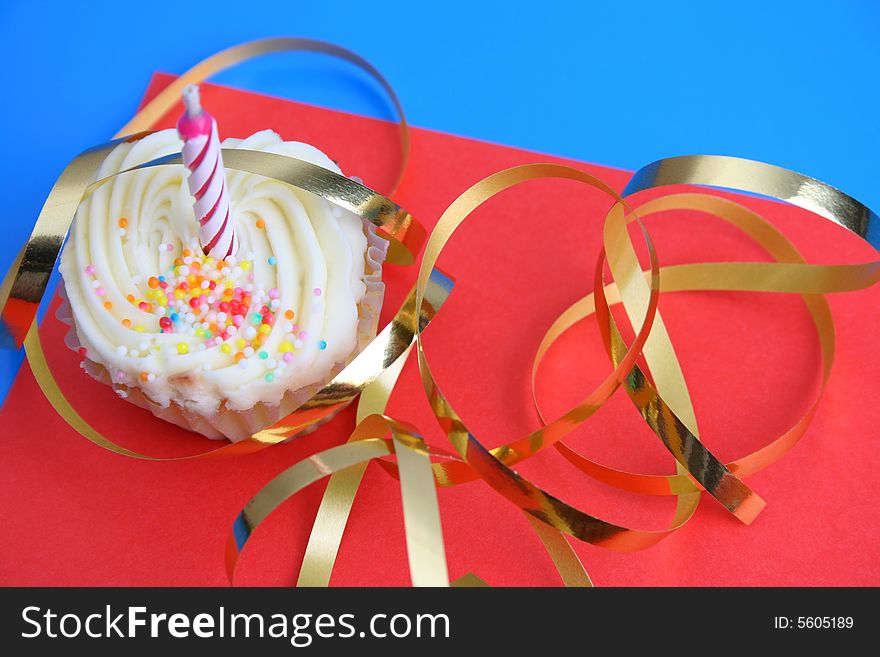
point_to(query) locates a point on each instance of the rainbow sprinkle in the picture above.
(211, 303)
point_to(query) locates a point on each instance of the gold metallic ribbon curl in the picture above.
(658, 390)
(663, 400)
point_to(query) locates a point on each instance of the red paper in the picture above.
(75, 514)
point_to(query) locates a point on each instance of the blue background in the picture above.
(792, 83)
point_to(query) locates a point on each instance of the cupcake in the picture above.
(223, 345)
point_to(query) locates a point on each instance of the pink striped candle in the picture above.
(207, 177)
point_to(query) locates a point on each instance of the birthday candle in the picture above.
(207, 177)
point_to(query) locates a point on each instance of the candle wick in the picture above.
(191, 100)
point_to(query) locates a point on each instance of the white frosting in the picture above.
(317, 246)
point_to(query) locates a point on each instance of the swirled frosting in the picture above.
(133, 265)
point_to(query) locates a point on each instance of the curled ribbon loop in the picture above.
(550, 517)
(790, 274)
(493, 469)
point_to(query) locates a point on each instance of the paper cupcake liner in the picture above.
(238, 425)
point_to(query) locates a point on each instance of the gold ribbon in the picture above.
(659, 391)
(670, 415)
